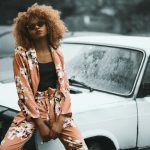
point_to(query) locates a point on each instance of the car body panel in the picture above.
(8, 94)
(144, 121)
(106, 109)
(143, 106)
(123, 41)
(122, 125)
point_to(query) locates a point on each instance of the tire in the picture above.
(94, 146)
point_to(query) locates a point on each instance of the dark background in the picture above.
(114, 16)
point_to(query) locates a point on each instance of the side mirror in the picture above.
(144, 90)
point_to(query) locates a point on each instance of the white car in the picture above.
(110, 91)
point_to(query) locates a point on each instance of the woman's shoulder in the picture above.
(58, 51)
(19, 51)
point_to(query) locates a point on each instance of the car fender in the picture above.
(101, 133)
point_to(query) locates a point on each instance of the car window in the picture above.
(144, 89)
(6, 70)
(104, 68)
(146, 77)
(7, 45)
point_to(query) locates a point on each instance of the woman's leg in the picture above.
(21, 130)
(71, 136)
(17, 135)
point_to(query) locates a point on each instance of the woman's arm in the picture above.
(26, 98)
(43, 128)
(64, 89)
(65, 104)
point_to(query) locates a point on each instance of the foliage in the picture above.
(118, 16)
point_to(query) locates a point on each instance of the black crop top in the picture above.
(48, 76)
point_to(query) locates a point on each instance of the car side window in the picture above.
(145, 84)
(146, 77)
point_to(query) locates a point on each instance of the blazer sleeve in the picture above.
(26, 100)
(66, 101)
(64, 89)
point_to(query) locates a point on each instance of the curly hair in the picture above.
(55, 26)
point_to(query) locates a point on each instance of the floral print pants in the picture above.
(21, 130)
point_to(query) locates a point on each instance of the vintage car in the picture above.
(110, 89)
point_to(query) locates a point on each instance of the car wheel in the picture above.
(94, 146)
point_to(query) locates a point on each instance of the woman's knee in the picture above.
(10, 146)
(4, 147)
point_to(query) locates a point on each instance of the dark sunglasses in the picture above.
(40, 23)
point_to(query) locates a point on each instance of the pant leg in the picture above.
(21, 130)
(17, 135)
(71, 136)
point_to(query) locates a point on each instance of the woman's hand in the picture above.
(44, 130)
(57, 127)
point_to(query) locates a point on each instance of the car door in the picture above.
(143, 104)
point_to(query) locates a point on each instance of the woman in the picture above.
(41, 82)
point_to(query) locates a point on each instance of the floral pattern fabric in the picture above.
(26, 73)
(21, 131)
(48, 103)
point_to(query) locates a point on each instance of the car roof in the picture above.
(113, 40)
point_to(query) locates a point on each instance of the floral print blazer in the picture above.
(26, 74)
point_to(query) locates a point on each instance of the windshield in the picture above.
(104, 68)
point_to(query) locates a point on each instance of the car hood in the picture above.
(8, 95)
(80, 102)
(93, 100)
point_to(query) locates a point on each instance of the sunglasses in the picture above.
(40, 23)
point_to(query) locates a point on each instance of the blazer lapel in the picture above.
(59, 68)
(34, 72)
